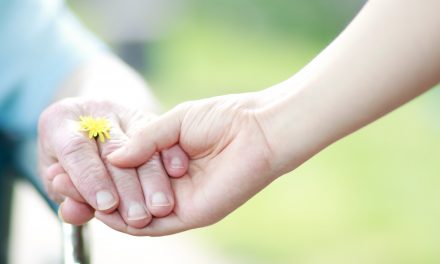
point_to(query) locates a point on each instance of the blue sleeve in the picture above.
(41, 42)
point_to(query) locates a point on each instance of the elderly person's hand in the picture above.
(74, 166)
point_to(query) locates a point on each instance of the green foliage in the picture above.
(210, 59)
(370, 198)
(319, 19)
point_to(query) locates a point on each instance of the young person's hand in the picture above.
(230, 161)
(238, 144)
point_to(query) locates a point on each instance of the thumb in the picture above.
(159, 134)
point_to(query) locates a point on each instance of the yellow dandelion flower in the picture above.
(96, 127)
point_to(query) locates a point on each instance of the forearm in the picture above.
(105, 77)
(388, 55)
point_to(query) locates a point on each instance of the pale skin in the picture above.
(238, 144)
(73, 166)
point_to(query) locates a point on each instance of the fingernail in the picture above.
(60, 214)
(105, 200)
(159, 199)
(136, 212)
(176, 163)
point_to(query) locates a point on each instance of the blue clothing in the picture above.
(41, 42)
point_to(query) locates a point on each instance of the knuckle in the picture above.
(87, 172)
(90, 178)
(74, 147)
(128, 191)
(51, 115)
(101, 105)
(47, 117)
(128, 184)
(152, 168)
(182, 108)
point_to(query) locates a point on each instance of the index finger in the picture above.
(79, 157)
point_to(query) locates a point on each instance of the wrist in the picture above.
(293, 123)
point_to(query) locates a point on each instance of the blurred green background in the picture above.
(373, 197)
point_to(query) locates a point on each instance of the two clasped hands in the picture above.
(156, 175)
(195, 164)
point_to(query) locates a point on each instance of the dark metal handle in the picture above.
(74, 244)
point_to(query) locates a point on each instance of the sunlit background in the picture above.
(373, 197)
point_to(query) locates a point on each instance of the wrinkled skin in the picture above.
(74, 168)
